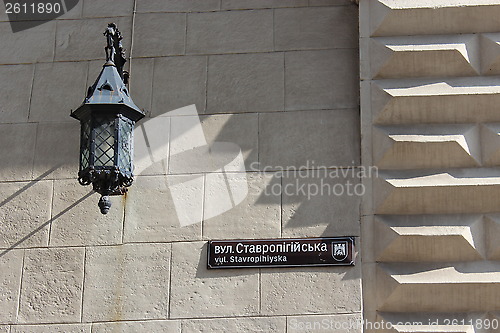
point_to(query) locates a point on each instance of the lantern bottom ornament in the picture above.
(104, 204)
(106, 183)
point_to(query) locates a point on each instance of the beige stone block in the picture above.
(321, 203)
(19, 164)
(230, 32)
(57, 150)
(257, 216)
(366, 147)
(170, 326)
(421, 56)
(141, 82)
(10, 285)
(188, 195)
(126, 282)
(151, 146)
(103, 8)
(77, 220)
(255, 4)
(240, 129)
(68, 79)
(332, 140)
(490, 53)
(186, 134)
(418, 192)
(16, 85)
(326, 79)
(453, 100)
(177, 5)
(158, 34)
(178, 82)
(3, 18)
(61, 328)
(193, 152)
(27, 46)
(316, 28)
(365, 56)
(4, 329)
(426, 146)
(74, 10)
(492, 232)
(364, 18)
(427, 238)
(25, 214)
(331, 2)
(151, 215)
(209, 293)
(52, 286)
(490, 144)
(77, 39)
(348, 323)
(305, 290)
(408, 17)
(468, 287)
(245, 82)
(369, 288)
(248, 324)
(224, 191)
(366, 245)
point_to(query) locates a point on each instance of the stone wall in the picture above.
(429, 95)
(277, 78)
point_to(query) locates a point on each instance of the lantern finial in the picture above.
(115, 53)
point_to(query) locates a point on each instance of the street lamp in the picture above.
(107, 117)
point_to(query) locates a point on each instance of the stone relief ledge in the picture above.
(211, 324)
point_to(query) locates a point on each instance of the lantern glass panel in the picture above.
(104, 132)
(85, 145)
(125, 147)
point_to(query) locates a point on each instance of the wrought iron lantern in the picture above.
(107, 117)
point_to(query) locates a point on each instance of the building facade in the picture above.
(265, 119)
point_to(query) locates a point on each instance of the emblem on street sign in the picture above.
(339, 250)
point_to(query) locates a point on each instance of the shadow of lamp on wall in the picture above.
(107, 117)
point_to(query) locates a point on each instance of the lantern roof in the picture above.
(108, 93)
